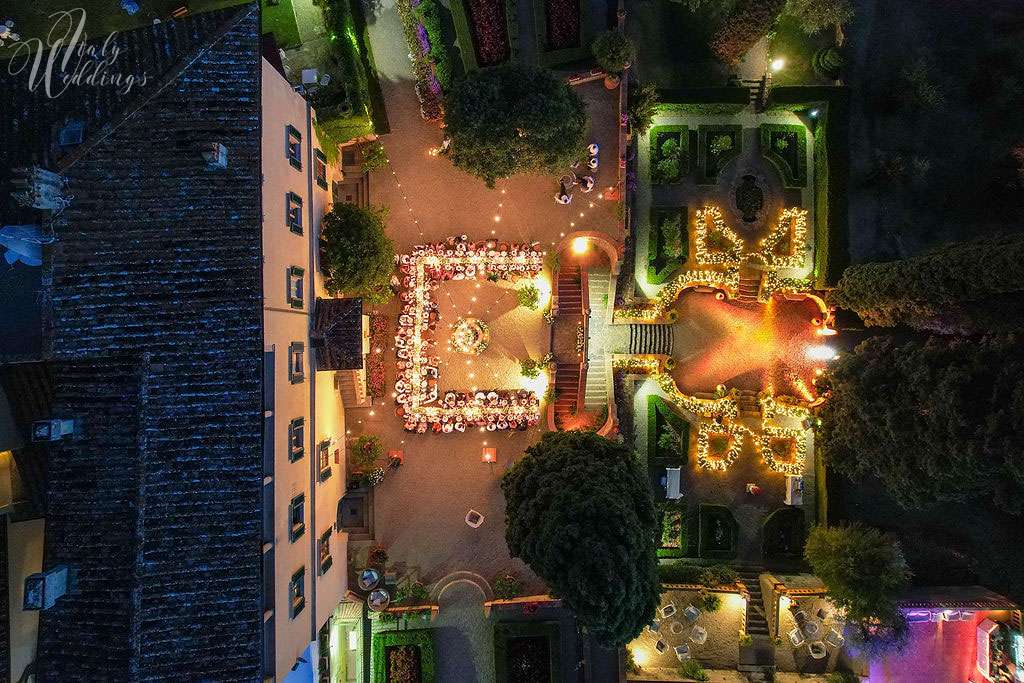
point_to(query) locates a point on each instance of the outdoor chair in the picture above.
(654, 626)
(682, 652)
(818, 650)
(800, 617)
(474, 519)
(796, 637)
(937, 616)
(918, 617)
(966, 616)
(668, 610)
(822, 613)
(834, 638)
(698, 635)
(325, 79)
(660, 646)
(691, 613)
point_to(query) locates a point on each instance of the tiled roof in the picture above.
(157, 328)
(337, 334)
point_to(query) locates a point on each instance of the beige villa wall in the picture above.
(284, 325)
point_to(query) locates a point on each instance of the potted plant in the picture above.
(613, 51)
(507, 587)
(378, 557)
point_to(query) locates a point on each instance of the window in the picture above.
(295, 289)
(325, 551)
(294, 215)
(297, 591)
(295, 365)
(297, 517)
(293, 146)
(325, 459)
(296, 438)
(320, 168)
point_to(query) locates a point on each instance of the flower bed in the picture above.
(668, 244)
(670, 154)
(674, 539)
(713, 153)
(375, 359)
(527, 652)
(432, 63)
(562, 23)
(785, 146)
(490, 36)
(403, 657)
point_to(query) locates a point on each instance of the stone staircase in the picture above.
(748, 288)
(645, 339)
(353, 190)
(570, 291)
(596, 392)
(748, 405)
(598, 281)
(351, 395)
(756, 88)
(567, 384)
(757, 623)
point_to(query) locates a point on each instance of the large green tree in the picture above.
(357, 255)
(579, 512)
(934, 420)
(865, 574)
(513, 119)
(952, 288)
(818, 15)
(747, 22)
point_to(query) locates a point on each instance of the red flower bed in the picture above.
(375, 359)
(563, 23)
(490, 40)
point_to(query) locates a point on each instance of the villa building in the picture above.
(185, 337)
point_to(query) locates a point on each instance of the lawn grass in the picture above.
(279, 19)
(797, 48)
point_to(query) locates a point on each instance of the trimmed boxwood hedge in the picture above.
(421, 638)
(656, 406)
(683, 138)
(506, 631)
(791, 177)
(705, 101)
(704, 136)
(831, 172)
(656, 243)
(705, 515)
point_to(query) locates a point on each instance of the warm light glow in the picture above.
(826, 332)
(537, 385)
(579, 245)
(777, 64)
(640, 656)
(353, 639)
(821, 352)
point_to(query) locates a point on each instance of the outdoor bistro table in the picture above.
(368, 579)
(379, 600)
(814, 629)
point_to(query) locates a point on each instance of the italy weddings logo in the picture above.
(64, 59)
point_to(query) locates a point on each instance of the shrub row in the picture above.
(704, 101)
(791, 177)
(747, 23)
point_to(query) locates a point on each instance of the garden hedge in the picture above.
(684, 149)
(655, 244)
(655, 405)
(684, 530)
(505, 631)
(726, 100)
(831, 172)
(704, 134)
(705, 514)
(791, 177)
(422, 638)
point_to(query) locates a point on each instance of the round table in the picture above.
(379, 600)
(813, 629)
(675, 628)
(368, 579)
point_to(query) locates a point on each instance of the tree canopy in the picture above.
(613, 50)
(945, 288)
(643, 105)
(818, 15)
(513, 119)
(934, 420)
(863, 571)
(747, 22)
(579, 512)
(357, 255)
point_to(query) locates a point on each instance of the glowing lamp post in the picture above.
(777, 64)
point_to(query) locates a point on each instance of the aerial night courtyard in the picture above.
(477, 341)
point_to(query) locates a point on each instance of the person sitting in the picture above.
(563, 198)
(587, 183)
(592, 164)
(593, 149)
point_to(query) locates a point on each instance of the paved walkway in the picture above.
(463, 636)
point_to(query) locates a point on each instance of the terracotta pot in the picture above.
(611, 82)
